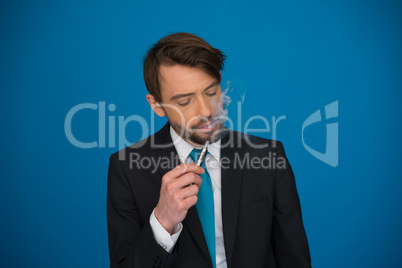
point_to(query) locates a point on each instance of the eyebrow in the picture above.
(178, 96)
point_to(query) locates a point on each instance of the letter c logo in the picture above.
(330, 156)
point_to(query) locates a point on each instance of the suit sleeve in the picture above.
(131, 240)
(289, 237)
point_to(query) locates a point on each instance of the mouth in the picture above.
(207, 127)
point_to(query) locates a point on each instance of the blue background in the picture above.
(290, 57)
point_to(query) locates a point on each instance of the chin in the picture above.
(202, 138)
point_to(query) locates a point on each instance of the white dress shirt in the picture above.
(162, 237)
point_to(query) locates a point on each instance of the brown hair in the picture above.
(184, 49)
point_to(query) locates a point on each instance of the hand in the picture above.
(178, 194)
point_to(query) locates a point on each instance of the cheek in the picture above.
(217, 98)
(216, 105)
(175, 115)
(190, 119)
(182, 117)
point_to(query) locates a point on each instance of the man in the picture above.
(226, 213)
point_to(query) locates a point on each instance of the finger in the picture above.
(191, 201)
(184, 168)
(188, 191)
(183, 181)
(188, 179)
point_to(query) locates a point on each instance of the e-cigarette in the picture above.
(202, 155)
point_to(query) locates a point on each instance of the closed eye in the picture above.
(184, 103)
(211, 94)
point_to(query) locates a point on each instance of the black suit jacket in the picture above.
(261, 214)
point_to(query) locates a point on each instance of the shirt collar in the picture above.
(184, 148)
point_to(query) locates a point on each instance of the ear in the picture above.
(155, 105)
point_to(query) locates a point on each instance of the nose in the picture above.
(204, 108)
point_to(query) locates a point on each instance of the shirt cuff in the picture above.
(162, 237)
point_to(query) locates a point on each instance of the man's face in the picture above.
(190, 101)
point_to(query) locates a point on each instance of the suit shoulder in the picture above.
(147, 146)
(142, 147)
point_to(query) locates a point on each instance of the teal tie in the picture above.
(205, 208)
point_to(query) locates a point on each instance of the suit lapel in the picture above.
(192, 221)
(231, 187)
